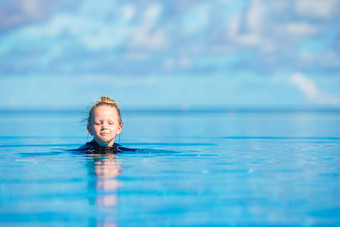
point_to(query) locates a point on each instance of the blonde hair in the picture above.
(104, 101)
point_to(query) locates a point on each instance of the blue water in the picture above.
(196, 168)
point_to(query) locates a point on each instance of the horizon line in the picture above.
(160, 110)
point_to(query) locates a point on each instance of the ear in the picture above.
(120, 128)
(90, 130)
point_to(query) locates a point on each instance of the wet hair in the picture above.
(104, 101)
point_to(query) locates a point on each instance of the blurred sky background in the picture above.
(61, 54)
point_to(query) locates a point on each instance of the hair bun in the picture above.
(108, 100)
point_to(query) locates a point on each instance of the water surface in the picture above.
(195, 168)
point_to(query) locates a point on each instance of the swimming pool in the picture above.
(196, 168)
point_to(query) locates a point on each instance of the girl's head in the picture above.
(104, 121)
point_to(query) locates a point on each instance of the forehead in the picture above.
(105, 111)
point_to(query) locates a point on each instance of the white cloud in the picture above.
(278, 28)
(31, 7)
(310, 90)
(249, 39)
(56, 26)
(255, 15)
(264, 21)
(324, 9)
(92, 34)
(144, 37)
(307, 86)
(96, 35)
(298, 29)
(128, 12)
(152, 13)
(234, 26)
(324, 59)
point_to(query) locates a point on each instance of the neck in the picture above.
(103, 144)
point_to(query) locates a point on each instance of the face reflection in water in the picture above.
(106, 169)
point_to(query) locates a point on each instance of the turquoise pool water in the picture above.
(196, 168)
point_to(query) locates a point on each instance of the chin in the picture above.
(107, 142)
(104, 139)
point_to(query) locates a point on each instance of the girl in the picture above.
(104, 123)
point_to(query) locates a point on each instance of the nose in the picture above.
(104, 125)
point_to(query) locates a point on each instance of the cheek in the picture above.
(95, 128)
(113, 128)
